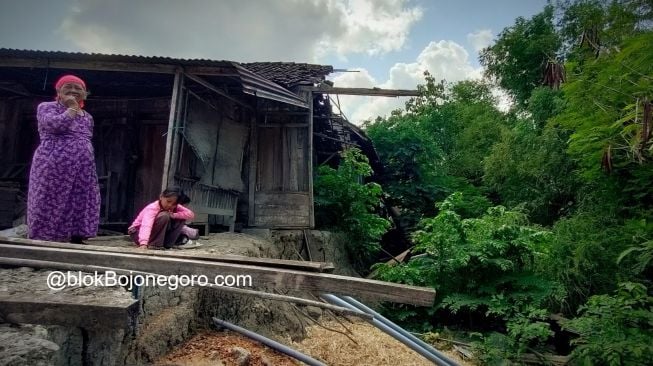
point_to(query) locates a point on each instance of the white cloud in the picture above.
(288, 30)
(480, 39)
(371, 27)
(443, 60)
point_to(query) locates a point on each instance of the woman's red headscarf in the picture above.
(70, 79)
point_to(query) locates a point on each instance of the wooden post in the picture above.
(172, 122)
(311, 208)
(253, 169)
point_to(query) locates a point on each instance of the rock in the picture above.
(266, 362)
(242, 355)
(314, 311)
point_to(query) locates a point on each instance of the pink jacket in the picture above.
(145, 219)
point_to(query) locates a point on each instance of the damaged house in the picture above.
(240, 139)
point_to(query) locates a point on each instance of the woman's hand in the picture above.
(70, 101)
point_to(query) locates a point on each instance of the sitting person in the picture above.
(161, 223)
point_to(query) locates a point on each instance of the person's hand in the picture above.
(70, 101)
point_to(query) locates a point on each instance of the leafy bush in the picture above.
(617, 329)
(482, 267)
(343, 202)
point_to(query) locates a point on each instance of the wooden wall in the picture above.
(282, 197)
(129, 145)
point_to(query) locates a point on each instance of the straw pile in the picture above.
(374, 347)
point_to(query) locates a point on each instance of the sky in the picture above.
(389, 43)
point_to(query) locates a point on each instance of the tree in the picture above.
(518, 58)
(344, 203)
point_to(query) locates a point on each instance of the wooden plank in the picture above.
(174, 106)
(282, 209)
(367, 91)
(18, 262)
(291, 198)
(253, 169)
(238, 291)
(285, 160)
(282, 279)
(311, 197)
(294, 168)
(226, 258)
(177, 137)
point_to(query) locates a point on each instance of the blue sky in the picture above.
(390, 42)
(448, 20)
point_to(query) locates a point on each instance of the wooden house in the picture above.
(238, 142)
(241, 139)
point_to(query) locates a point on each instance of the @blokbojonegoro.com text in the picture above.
(58, 280)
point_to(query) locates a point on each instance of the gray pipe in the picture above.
(398, 336)
(268, 342)
(359, 305)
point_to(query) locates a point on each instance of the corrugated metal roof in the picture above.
(80, 56)
(253, 83)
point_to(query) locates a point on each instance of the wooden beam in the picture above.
(18, 262)
(239, 291)
(261, 276)
(213, 88)
(236, 259)
(174, 106)
(367, 91)
(311, 198)
(253, 171)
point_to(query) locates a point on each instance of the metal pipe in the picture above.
(385, 328)
(362, 307)
(268, 342)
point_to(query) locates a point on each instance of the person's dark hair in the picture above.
(182, 198)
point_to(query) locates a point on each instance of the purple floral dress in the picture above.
(64, 197)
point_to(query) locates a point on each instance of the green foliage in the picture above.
(640, 255)
(589, 27)
(584, 252)
(346, 204)
(617, 329)
(529, 165)
(518, 58)
(603, 112)
(411, 163)
(482, 266)
(437, 146)
(578, 160)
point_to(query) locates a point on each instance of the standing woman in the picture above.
(63, 202)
